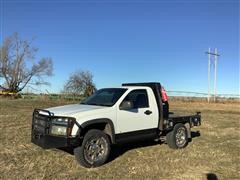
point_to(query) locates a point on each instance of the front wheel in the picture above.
(94, 150)
(177, 138)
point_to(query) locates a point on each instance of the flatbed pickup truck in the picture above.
(132, 112)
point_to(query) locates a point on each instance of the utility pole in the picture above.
(215, 74)
(210, 55)
(209, 70)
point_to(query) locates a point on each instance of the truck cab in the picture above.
(131, 112)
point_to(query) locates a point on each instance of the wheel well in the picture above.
(103, 126)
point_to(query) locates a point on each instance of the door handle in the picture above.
(147, 112)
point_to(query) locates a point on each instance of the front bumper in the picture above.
(41, 136)
(48, 141)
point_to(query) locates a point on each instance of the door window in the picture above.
(139, 98)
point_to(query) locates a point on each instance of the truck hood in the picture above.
(72, 109)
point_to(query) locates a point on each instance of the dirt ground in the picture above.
(212, 154)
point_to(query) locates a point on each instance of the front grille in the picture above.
(40, 123)
(39, 129)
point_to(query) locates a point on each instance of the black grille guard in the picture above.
(41, 122)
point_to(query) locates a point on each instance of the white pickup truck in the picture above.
(132, 112)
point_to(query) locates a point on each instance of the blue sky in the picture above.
(131, 41)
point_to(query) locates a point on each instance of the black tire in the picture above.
(94, 150)
(177, 138)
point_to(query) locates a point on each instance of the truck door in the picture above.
(142, 116)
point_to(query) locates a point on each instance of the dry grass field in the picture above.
(213, 154)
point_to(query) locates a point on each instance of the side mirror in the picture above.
(126, 105)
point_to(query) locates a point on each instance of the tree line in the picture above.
(20, 69)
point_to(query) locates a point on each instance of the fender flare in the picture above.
(101, 120)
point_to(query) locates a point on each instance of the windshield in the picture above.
(105, 97)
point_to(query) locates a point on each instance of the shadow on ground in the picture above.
(211, 176)
(118, 150)
(194, 134)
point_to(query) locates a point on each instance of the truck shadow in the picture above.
(119, 150)
(194, 134)
(68, 150)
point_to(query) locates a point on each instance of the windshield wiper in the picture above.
(97, 104)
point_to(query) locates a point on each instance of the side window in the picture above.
(139, 98)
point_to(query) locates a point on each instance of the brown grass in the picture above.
(214, 153)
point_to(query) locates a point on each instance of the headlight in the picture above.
(59, 130)
(61, 125)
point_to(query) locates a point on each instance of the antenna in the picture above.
(212, 55)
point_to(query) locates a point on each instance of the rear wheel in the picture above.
(177, 138)
(94, 150)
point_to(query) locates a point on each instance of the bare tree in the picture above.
(80, 82)
(17, 66)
